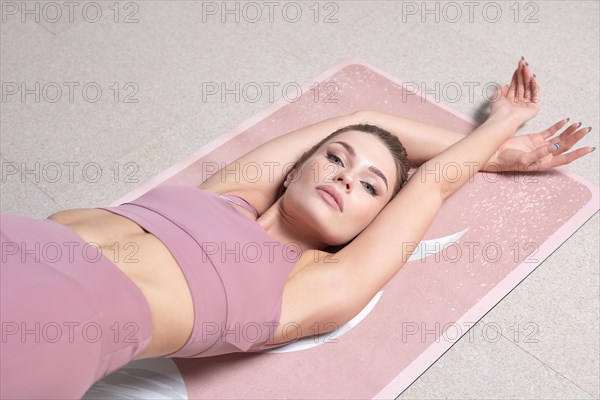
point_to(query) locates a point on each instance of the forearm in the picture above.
(421, 141)
(456, 165)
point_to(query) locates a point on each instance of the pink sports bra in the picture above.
(235, 270)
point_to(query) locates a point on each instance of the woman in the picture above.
(244, 266)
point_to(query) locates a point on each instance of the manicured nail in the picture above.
(534, 75)
(593, 148)
(579, 125)
(526, 63)
(589, 129)
(522, 58)
(567, 120)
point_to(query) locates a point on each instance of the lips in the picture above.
(329, 193)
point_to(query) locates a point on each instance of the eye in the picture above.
(335, 158)
(370, 188)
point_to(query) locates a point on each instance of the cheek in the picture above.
(303, 176)
(327, 172)
(318, 171)
(359, 215)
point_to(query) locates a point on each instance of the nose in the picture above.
(346, 177)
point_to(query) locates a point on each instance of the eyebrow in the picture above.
(373, 168)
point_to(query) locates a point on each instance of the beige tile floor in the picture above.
(105, 146)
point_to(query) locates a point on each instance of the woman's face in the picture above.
(355, 165)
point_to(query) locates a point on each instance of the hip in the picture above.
(58, 301)
(145, 261)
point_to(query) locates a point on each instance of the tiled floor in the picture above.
(137, 106)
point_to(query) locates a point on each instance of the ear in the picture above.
(289, 178)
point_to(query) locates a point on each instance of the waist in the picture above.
(122, 321)
(236, 281)
(203, 284)
(148, 264)
(137, 253)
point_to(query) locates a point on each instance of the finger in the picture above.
(512, 88)
(527, 79)
(538, 154)
(520, 79)
(514, 84)
(566, 158)
(535, 90)
(568, 132)
(571, 140)
(554, 128)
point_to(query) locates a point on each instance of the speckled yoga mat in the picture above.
(486, 239)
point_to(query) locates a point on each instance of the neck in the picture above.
(285, 228)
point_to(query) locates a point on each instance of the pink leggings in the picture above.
(68, 315)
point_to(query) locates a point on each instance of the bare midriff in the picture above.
(149, 264)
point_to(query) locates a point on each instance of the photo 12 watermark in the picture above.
(453, 12)
(451, 92)
(451, 332)
(69, 92)
(452, 172)
(252, 12)
(69, 252)
(488, 252)
(53, 12)
(253, 332)
(252, 92)
(71, 332)
(259, 252)
(54, 172)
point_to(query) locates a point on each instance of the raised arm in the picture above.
(516, 153)
(273, 158)
(368, 263)
(379, 252)
(331, 290)
(421, 141)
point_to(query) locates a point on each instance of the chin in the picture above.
(322, 218)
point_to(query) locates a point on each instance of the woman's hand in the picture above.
(520, 99)
(536, 151)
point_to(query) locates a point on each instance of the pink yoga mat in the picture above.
(486, 239)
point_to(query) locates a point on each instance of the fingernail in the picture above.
(567, 120)
(579, 125)
(589, 129)
(534, 75)
(522, 58)
(593, 148)
(526, 63)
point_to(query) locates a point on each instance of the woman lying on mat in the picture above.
(230, 266)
